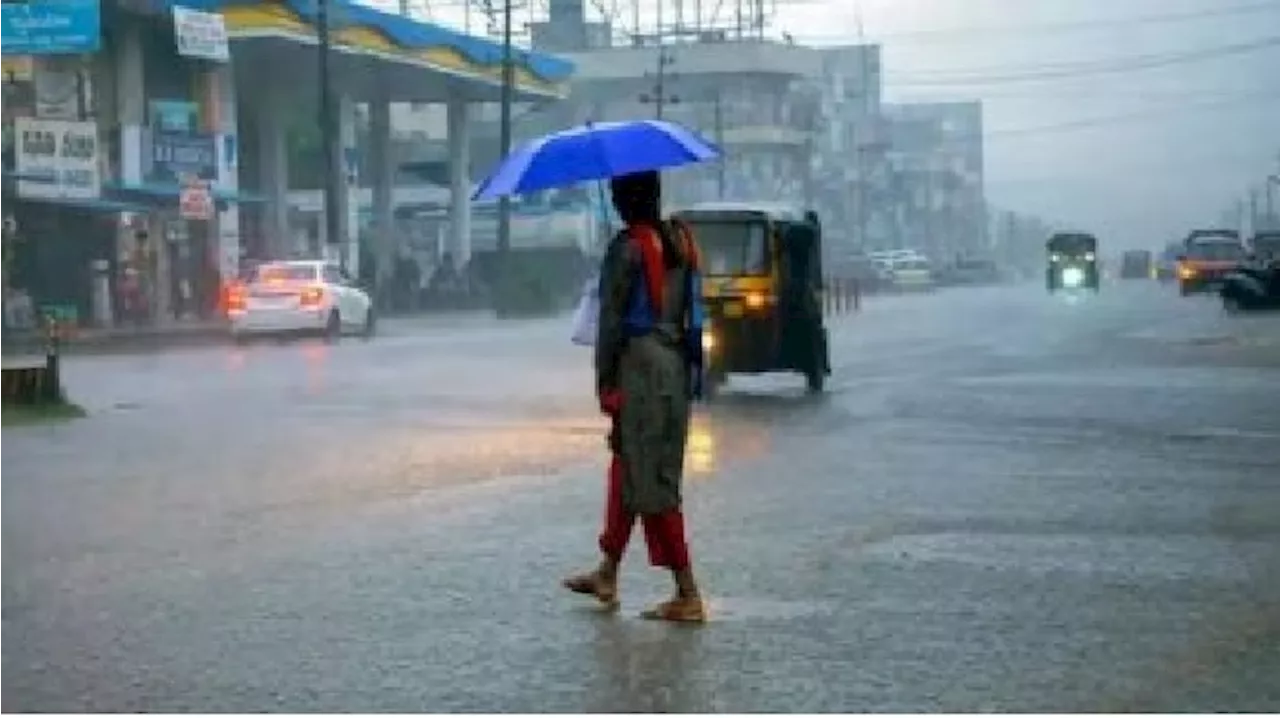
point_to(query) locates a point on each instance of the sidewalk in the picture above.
(119, 338)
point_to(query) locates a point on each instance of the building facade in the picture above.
(935, 194)
(849, 157)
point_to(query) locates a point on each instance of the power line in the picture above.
(967, 34)
(1171, 113)
(1131, 64)
(1174, 114)
(1054, 92)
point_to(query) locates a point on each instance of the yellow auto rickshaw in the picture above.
(762, 284)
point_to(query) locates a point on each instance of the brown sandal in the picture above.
(593, 584)
(678, 610)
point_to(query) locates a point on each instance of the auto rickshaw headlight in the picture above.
(1088, 256)
(1055, 257)
(755, 300)
(708, 340)
(1072, 277)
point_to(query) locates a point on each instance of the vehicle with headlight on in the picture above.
(299, 297)
(1208, 256)
(1073, 262)
(762, 285)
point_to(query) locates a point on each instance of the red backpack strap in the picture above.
(645, 239)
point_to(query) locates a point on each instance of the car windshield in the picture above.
(270, 273)
(732, 248)
(1215, 250)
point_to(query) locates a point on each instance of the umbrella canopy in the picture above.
(595, 151)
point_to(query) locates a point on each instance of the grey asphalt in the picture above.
(1006, 502)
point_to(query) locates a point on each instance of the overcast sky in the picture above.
(1136, 155)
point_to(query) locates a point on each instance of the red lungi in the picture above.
(664, 532)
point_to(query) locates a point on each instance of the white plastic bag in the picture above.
(586, 318)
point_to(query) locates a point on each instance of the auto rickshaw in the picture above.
(1073, 262)
(762, 269)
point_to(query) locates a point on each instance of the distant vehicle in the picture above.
(911, 274)
(861, 268)
(1265, 245)
(970, 271)
(308, 296)
(1207, 256)
(1073, 262)
(1135, 264)
(1166, 268)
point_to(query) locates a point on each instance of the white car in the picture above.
(912, 274)
(300, 296)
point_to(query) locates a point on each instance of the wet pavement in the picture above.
(1006, 502)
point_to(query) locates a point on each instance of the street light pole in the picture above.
(659, 98)
(719, 122)
(334, 172)
(504, 137)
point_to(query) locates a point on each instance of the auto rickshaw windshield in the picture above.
(1073, 244)
(732, 248)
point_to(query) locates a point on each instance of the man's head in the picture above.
(637, 197)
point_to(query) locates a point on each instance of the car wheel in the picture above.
(333, 327)
(370, 324)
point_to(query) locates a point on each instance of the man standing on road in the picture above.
(643, 381)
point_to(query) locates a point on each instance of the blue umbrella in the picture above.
(595, 151)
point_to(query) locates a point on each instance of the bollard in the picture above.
(857, 296)
(51, 390)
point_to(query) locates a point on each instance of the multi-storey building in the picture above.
(850, 147)
(935, 185)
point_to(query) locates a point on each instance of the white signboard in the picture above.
(195, 201)
(56, 158)
(200, 34)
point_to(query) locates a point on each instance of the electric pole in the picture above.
(334, 169)
(504, 142)
(718, 110)
(659, 98)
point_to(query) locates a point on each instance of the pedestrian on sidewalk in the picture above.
(644, 383)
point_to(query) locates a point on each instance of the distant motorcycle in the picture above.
(1252, 287)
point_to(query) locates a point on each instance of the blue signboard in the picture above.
(50, 27)
(178, 154)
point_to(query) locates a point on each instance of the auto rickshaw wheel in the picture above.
(816, 380)
(712, 380)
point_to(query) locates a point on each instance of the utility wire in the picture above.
(1086, 123)
(1169, 113)
(977, 34)
(1131, 64)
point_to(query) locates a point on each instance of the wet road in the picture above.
(1006, 502)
